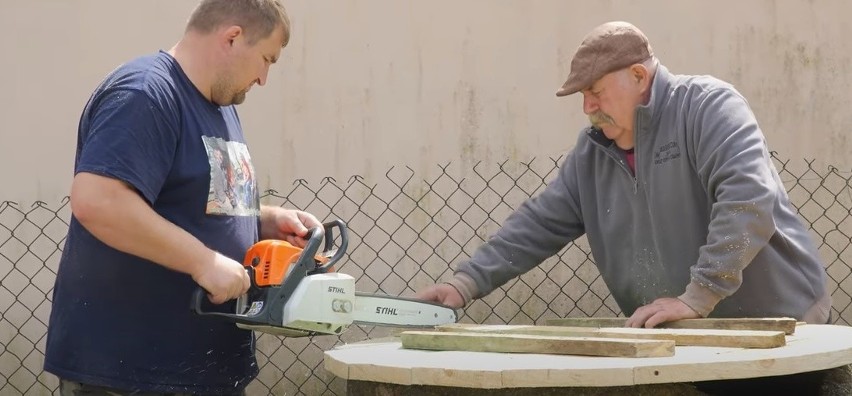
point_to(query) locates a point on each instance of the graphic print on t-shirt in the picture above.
(233, 188)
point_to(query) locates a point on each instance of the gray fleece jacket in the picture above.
(705, 218)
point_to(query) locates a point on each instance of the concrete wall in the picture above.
(370, 84)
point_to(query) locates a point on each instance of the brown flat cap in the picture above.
(607, 48)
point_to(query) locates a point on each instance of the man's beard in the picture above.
(221, 94)
(599, 117)
(239, 97)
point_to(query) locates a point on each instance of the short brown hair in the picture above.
(257, 17)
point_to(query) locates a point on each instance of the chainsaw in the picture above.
(296, 292)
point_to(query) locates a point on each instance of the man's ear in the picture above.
(640, 75)
(231, 34)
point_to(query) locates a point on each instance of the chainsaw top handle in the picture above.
(317, 234)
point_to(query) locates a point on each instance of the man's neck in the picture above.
(646, 96)
(195, 63)
(625, 140)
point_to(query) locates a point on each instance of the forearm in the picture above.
(522, 243)
(120, 218)
(537, 230)
(735, 238)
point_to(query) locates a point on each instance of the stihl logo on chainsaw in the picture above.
(386, 311)
(338, 290)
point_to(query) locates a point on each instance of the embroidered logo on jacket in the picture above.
(666, 153)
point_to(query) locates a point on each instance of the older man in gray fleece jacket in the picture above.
(676, 191)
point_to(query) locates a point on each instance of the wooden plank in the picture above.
(705, 337)
(787, 325)
(521, 343)
(682, 337)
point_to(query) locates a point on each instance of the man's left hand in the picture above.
(662, 310)
(286, 224)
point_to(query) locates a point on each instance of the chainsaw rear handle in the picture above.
(305, 265)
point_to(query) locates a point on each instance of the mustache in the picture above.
(600, 117)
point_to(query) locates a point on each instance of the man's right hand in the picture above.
(224, 280)
(442, 293)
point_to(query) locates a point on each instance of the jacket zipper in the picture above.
(617, 156)
(622, 161)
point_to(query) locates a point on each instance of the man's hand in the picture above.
(286, 224)
(660, 311)
(442, 293)
(224, 279)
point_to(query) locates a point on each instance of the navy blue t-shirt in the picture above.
(122, 321)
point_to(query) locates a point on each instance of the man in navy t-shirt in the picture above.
(165, 200)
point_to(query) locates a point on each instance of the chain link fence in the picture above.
(407, 231)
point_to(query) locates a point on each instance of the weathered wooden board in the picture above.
(684, 337)
(787, 325)
(546, 344)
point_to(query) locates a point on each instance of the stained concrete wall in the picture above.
(370, 84)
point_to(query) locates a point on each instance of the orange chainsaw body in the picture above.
(272, 260)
